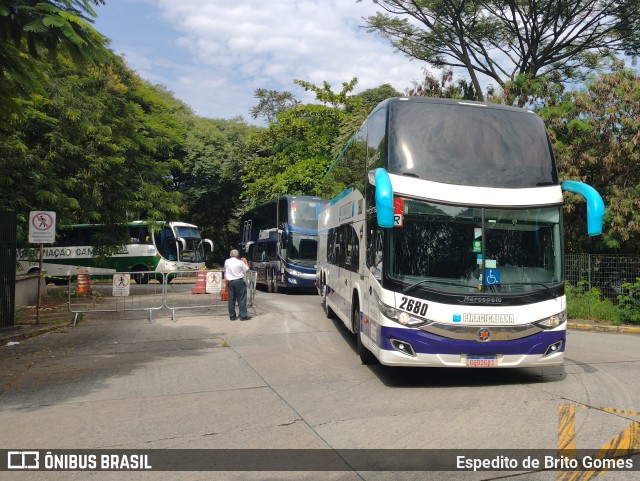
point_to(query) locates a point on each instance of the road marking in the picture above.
(627, 439)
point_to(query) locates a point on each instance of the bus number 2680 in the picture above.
(414, 306)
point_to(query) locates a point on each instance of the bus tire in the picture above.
(269, 281)
(140, 276)
(325, 306)
(366, 356)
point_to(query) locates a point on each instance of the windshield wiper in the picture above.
(445, 283)
(547, 289)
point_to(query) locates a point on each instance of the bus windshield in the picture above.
(463, 145)
(461, 249)
(187, 232)
(302, 248)
(304, 213)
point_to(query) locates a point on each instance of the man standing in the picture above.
(234, 270)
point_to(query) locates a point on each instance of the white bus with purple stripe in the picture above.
(446, 246)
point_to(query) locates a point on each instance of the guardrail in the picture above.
(171, 290)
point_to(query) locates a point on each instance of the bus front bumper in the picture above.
(412, 347)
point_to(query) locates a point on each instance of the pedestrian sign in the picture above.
(214, 281)
(42, 227)
(121, 285)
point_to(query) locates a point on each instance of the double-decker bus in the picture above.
(280, 240)
(446, 246)
(147, 248)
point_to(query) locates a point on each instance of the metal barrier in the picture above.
(251, 279)
(117, 293)
(173, 291)
(194, 290)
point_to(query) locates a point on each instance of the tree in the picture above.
(503, 39)
(211, 184)
(292, 155)
(30, 29)
(596, 138)
(444, 87)
(272, 102)
(100, 146)
(359, 107)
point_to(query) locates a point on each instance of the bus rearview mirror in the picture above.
(384, 198)
(595, 204)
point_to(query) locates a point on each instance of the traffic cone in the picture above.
(201, 283)
(224, 292)
(84, 284)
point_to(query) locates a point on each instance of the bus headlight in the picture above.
(293, 272)
(552, 322)
(401, 317)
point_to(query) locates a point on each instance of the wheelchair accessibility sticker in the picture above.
(491, 277)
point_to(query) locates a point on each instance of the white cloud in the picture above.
(229, 49)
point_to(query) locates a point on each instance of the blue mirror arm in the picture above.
(595, 204)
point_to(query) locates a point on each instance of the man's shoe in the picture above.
(245, 318)
(232, 318)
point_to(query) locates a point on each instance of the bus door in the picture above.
(350, 262)
(373, 286)
(257, 253)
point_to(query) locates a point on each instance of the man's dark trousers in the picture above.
(237, 290)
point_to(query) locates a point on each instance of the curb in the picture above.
(19, 334)
(604, 328)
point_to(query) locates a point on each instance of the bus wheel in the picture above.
(327, 310)
(270, 281)
(139, 275)
(366, 356)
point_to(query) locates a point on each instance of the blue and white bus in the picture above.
(280, 241)
(446, 246)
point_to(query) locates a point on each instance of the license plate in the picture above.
(481, 361)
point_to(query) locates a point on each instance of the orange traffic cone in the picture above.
(84, 284)
(201, 283)
(224, 292)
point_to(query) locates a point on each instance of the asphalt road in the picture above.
(291, 379)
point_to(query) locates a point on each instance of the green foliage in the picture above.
(31, 29)
(292, 154)
(325, 95)
(99, 147)
(271, 102)
(215, 156)
(596, 138)
(630, 302)
(583, 303)
(444, 87)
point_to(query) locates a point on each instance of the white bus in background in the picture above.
(151, 247)
(446, 247)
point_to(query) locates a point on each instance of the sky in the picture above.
(214, 54)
